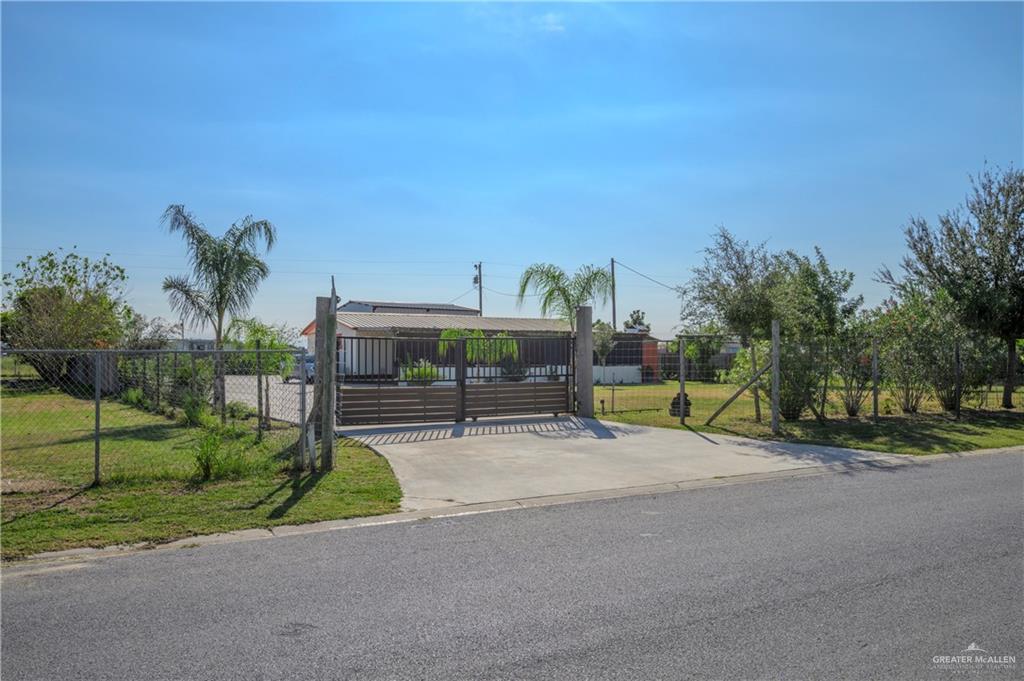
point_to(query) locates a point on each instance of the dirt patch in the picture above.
(31, 486)
(18, 505)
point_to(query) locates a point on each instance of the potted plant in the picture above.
(420, 372)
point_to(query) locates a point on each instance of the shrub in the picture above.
(196, 412)
(420, 371)
(133, 397)
(239, 410)
(851, 362)
(799, 373)
(184, 384)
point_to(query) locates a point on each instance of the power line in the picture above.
(462, 295)
(269, 259)
(512, 295)
(671, 288)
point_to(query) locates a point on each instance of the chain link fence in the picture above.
(853, 376)
(642, 375)
(72, 418)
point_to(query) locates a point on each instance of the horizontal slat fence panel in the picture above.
(396, 380)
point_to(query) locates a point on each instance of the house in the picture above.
(375, 345)
(633, 359)
(407, 308)
(430, 326)
(191, 344)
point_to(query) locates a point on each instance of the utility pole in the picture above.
(615, 321)
(479, 281)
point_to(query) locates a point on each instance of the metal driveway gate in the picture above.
(402, 380)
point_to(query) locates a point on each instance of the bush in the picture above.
(133, 397)
(420, 371)
(239, 410)
(183, 384)
(196, 412)
(800, 370)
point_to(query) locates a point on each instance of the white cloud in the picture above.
(550, 22)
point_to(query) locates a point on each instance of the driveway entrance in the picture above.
(452, 464)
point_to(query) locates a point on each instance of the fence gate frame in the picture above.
(394, 380)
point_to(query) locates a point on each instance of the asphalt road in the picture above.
(861, 575)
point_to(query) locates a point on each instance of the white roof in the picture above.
(388, 321)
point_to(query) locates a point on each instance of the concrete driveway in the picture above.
(451, 464)
(284, 397)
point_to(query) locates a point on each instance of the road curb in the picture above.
(883, 462)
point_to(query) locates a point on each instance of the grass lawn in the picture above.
(150, 491)
(929, 432)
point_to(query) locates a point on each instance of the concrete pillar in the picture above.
(584, 362)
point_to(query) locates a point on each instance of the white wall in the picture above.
(616, 374)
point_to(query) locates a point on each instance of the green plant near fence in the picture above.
(480, 348)
(167, 379)
(419, 371)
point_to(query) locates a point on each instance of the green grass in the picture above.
(12, 366)
(928, 432)
(150, 492)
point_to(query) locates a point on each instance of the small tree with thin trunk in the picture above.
(275, 355)
(733, 288)
(604, 341)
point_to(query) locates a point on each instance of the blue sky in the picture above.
(395, 145)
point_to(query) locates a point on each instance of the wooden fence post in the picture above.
(874, 379)
(97, 377)
(776, 375)
(326, 369)
(682, 380)
(958, 386)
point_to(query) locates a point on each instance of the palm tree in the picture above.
(561, 294)
(226, 271)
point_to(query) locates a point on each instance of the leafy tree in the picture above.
(142, 333)
(226, 272)
(480, 349)
(637, 322)
(561, 294)
(851, 360)
(63, 300)
(733, 289)
(275, 356)
(919, 335)
(812, 302)
(604, 340)
(976, 254)
(701, 345)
